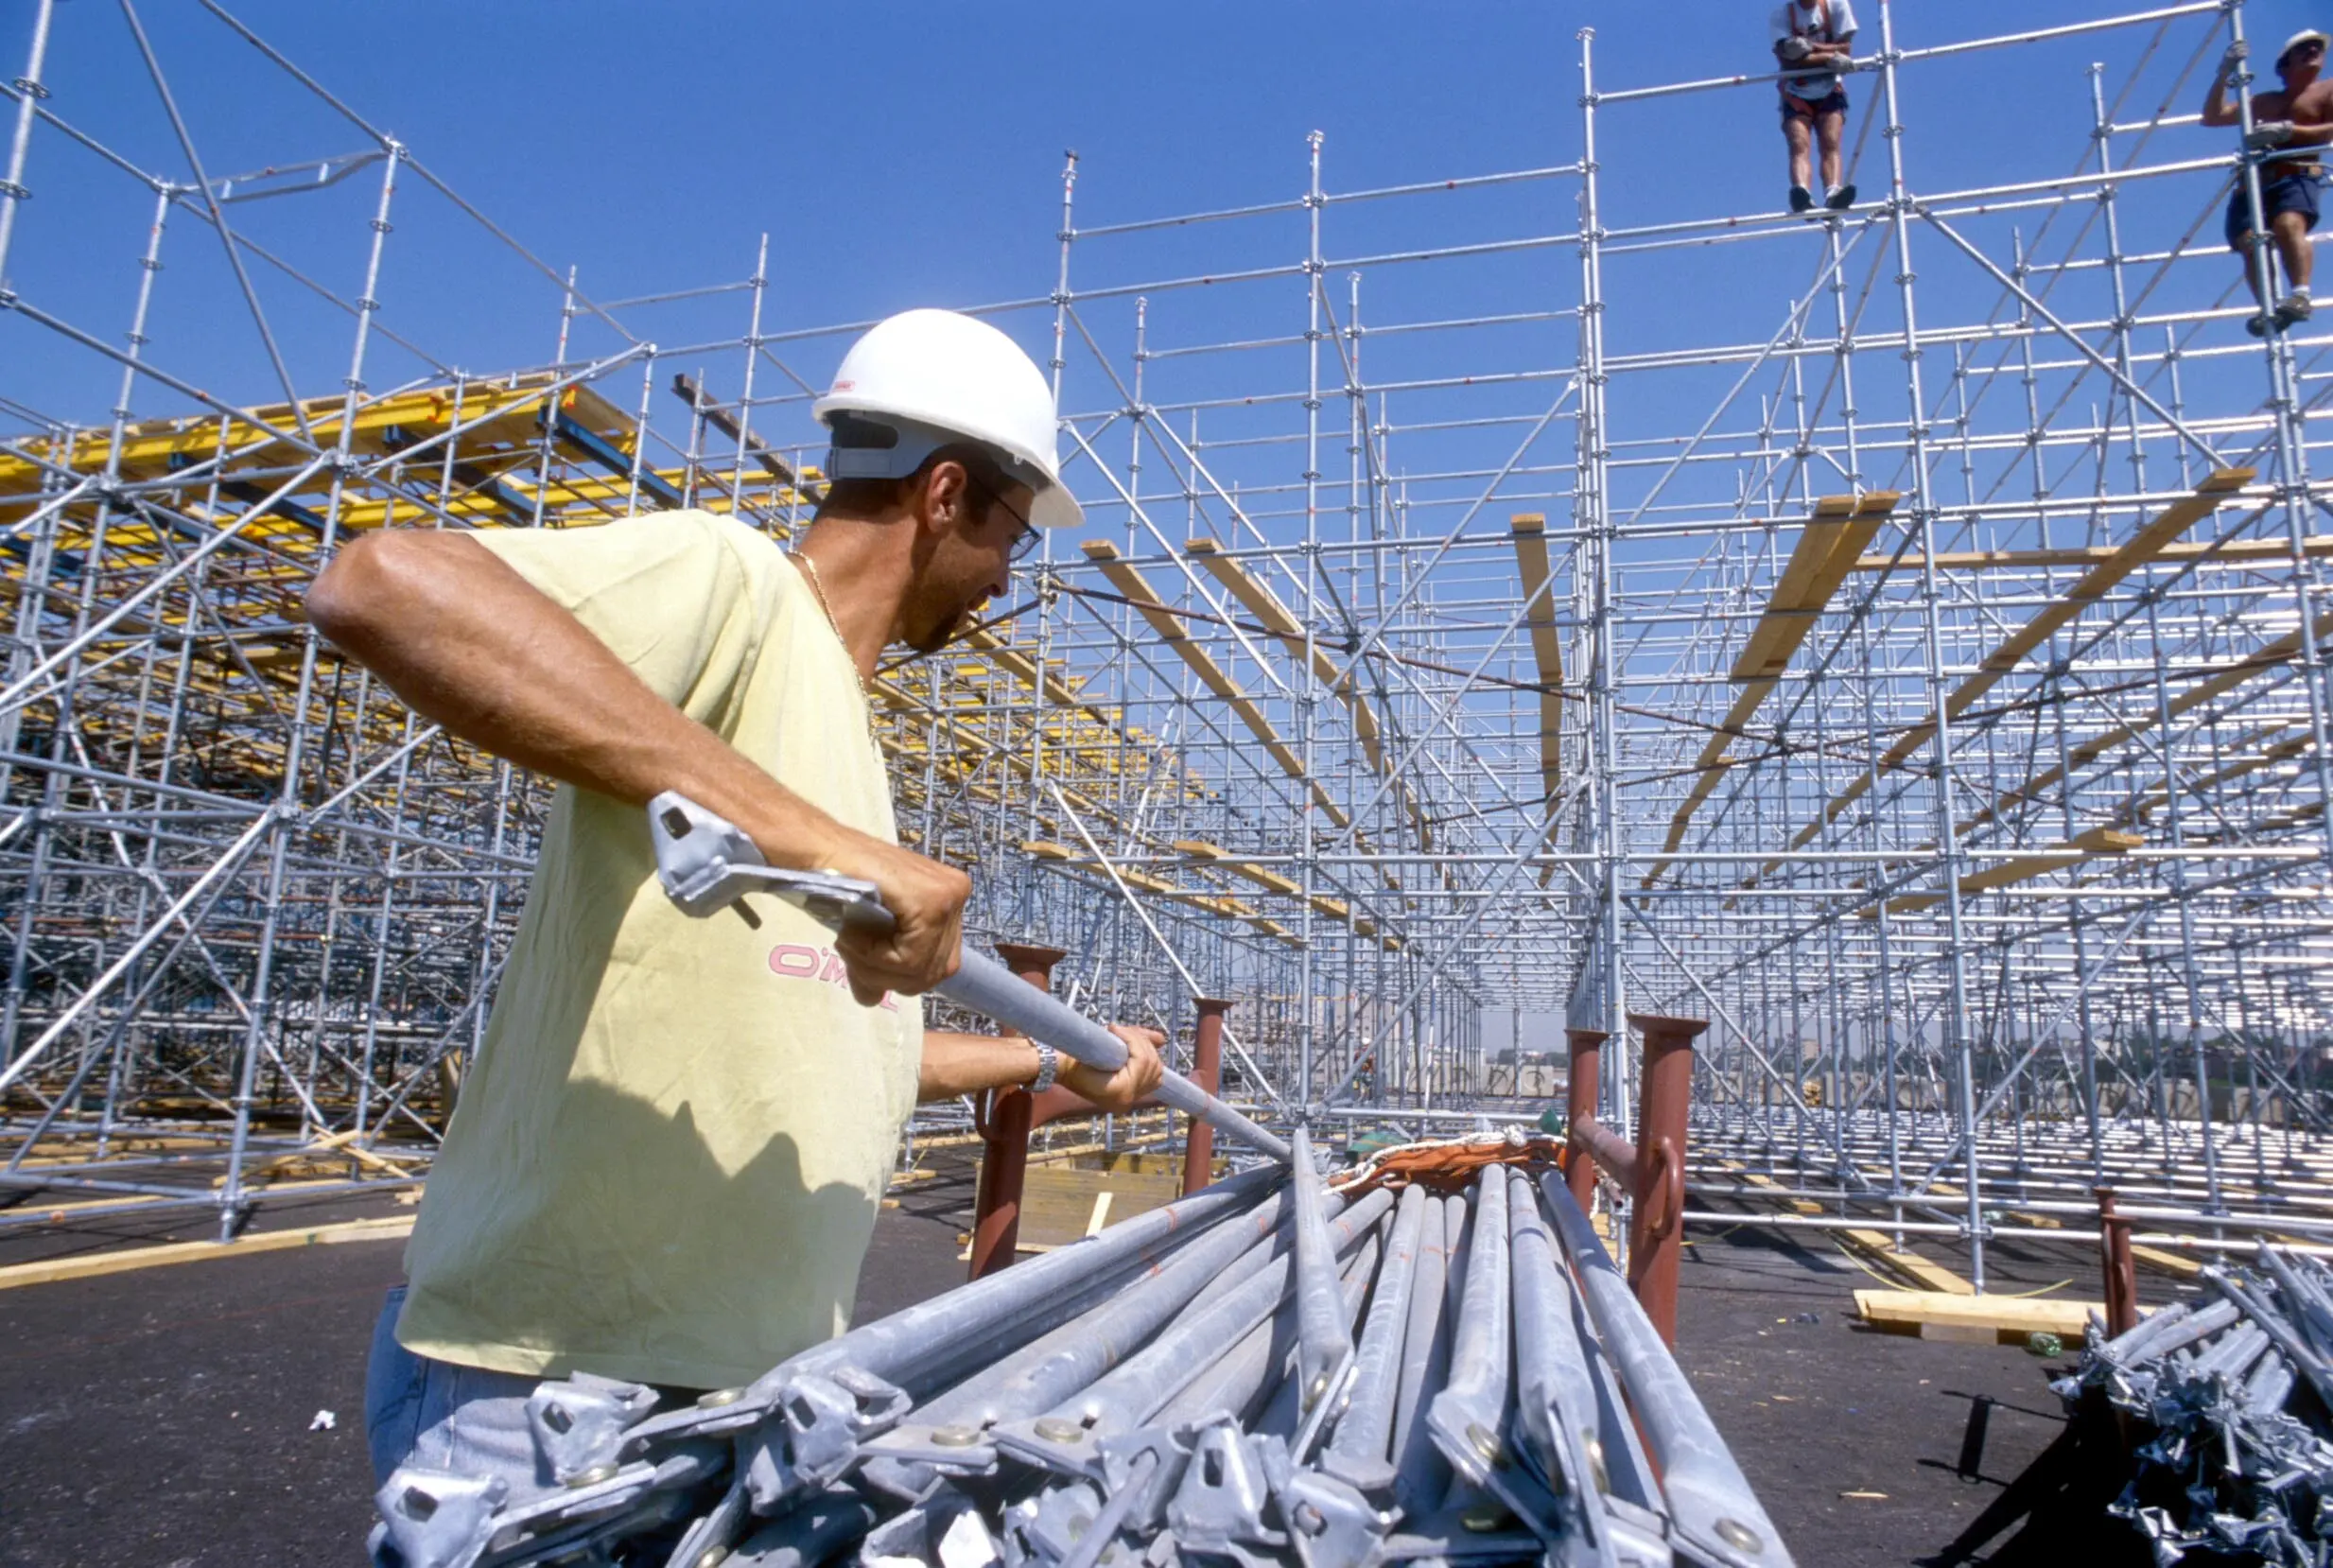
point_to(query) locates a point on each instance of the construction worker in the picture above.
(2298, 118)
(667, 1158)
(1812, 39)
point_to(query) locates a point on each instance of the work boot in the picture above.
(1801, 199)
(2258, 325)
(1840, 197)
(2295, 309)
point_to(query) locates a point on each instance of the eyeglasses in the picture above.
(1023, 542)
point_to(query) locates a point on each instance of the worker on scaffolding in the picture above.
(667, 1158)
(2289, 124)
(1813, 39)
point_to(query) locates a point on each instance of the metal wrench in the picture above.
(707, 864)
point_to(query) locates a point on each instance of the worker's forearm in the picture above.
(470, 644)
(967, 1064)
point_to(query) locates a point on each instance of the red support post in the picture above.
(1581, 1091)
(1005, 1165)
(1656, 1235)
(2120, 1266)
(1206, 1071)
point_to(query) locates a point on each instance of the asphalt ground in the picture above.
(164, 1419)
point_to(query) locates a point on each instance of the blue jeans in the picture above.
(410, 1402)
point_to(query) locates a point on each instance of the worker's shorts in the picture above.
(1799, 108)
(410, 1403)
(2295, 193)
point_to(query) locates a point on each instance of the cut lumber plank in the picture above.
(90, 1266)
(1879, 1247)
(2230, 550)
(1262, 603)
(1827, 546)
(2141, 548)
(1530, 530)
(1059, 1206)
(1057, 1203)
(2170, 1263)
(2096, 844)
(2269, 655)
(1168, 623)
(2008, 1319)
(2147, 544)
(1801, 1205)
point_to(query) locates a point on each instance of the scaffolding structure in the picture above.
(1932, 694)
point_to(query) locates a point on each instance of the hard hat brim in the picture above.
(1054, 506)
(2307, 35)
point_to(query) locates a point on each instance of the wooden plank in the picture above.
(2009, 1320)
(1826, 549)
(2097, 842)
(2242, 551)
(2172, 1263)
(1530, 531)
(1877, 1244)
(2269, 655)
(1879, 1247)
(1168, 623)
(1265, 606)
(1057, 1203)
(96, 1263)
(1797, 1205)
(2145, 544)
(1281, 622)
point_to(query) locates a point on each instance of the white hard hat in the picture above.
(924, 378)
(2306, 35)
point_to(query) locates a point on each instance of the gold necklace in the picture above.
(810, 571)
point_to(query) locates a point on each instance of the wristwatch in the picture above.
(1048, 1067)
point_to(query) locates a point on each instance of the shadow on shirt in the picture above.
(650, 1261)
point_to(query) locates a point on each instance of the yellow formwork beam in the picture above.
(2269, 655)
(2099, 842)
(1169, 624)
(2147, 544)
(1530, 531)
(2228, 551)
(2142, 547)
(1260, 601)
(491, 413)
(1832, 538)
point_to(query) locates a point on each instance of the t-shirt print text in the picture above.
(800, 961)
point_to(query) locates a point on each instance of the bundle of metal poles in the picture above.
(2223, 1407)
(1269, 1370)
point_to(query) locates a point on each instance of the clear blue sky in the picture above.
(910, 153)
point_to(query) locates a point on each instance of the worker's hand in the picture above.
(1135, 1078)
(926, 900)
(2234, 60)
(2267, 134)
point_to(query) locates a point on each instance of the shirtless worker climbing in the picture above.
(2296, 120)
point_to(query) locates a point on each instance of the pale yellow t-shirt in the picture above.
(667, 1159)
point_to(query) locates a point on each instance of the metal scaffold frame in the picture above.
(1931, 695)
